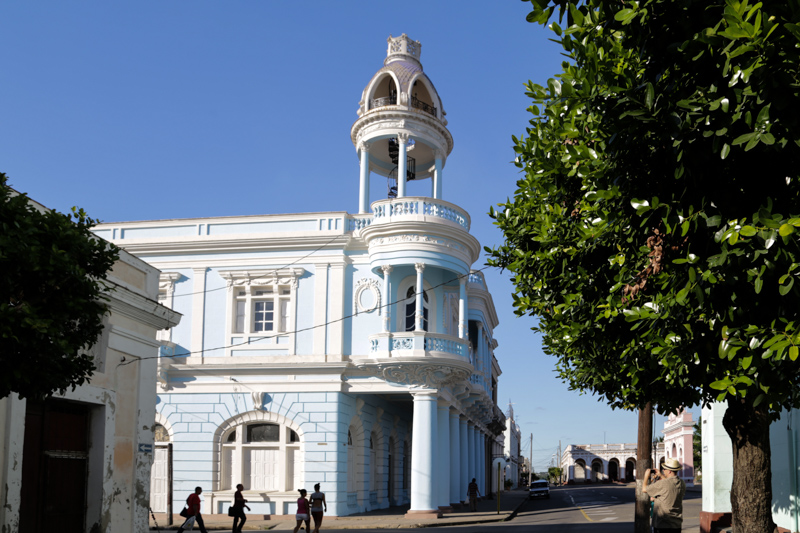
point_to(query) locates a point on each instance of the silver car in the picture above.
(539, 489)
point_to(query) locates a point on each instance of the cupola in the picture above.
(401, 133)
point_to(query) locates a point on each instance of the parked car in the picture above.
(540, 488)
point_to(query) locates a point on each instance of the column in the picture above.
(319, 336)
(437, 175)
(443, 437)
(479, 459)
(462, 307)
(363, 187)
(462, 439)
(482, 462)
(470, 451)
(419, 313)
(423, 456)
(199, 310)
(402, 141)
(387, 307)
(455, 460)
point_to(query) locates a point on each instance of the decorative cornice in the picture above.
(418, 374)
(284, 276)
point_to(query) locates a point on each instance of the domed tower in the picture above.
(401, 132)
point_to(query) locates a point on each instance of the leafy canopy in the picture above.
(51, 296)
(654, 230)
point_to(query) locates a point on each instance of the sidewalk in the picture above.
(393, 518)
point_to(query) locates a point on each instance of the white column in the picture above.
(455, 459)
(402, 141)
(363, 188)
(462, 307)
(470, 451)
(482, 461)
(464, 442)
(437, 175)
(387, 308)
(423, 455)
(443, 479)
(419, 313)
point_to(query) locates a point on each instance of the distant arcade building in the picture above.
(606, 463)
(602, 463)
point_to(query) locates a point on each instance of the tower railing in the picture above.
(383, 101)
(419, 104)
(410, 206)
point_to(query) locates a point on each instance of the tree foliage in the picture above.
(654, 229)
(51, 296)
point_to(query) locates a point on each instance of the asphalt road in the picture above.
(576, 509)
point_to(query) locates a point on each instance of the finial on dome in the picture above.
(402, 48)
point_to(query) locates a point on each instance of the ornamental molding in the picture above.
(372, 285)
(382, 120)
(424, 375)
(259, 278)
(415, 238)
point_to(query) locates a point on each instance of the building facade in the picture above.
(603, 463)
(351, 350)
(717, 453)
(511, 450)
(80, 461)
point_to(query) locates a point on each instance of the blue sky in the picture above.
(153, 110)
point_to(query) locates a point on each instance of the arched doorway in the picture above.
(580, 471)
(597, 470)
(630, 467)
(613, 470)
(390, 479)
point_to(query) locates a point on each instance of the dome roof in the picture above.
(403, 66)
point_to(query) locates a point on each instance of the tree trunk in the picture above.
(751, 491)
(644, 460)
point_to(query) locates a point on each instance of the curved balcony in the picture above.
(421, 209)
(418, 344)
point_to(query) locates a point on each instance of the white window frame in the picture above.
(246, 289)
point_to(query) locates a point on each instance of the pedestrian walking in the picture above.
(239, 503)
(193, 512)
(302, 511)
(317, 504)
(473, 493)
(667, 493)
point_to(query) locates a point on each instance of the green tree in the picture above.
(653, 229)
(51, 296)
(554, 473)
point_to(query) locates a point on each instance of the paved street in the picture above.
(571, 509)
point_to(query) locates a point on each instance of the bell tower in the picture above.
(401, 131)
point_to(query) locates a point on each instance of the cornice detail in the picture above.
(427, 375)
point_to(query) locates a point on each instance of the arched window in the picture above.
(161, 434)
(351, 463)
(261, 456)
(411, 309)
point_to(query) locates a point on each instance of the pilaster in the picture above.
(198, 310)
(443, 459)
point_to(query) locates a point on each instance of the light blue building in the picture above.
(355, 351)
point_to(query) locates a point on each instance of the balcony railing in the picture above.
(383, 102)
(386, 210)
(419, 104)
(417, 343)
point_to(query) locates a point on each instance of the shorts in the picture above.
(301, 516)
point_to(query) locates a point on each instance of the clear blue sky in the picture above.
(152, 110)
